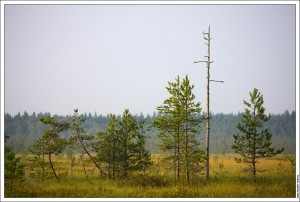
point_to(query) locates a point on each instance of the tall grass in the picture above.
(229, 181)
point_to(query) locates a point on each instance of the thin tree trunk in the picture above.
(125, 160)
(113, 163)
(254, 161)
(109, 165)
(187, 174)
(175, 164)
(254, 149)
(178, 163)
(143, 160)
(50, 161)
(52, 167)
(254, 171)
(90, 156)
(43, 165)
(207, 106)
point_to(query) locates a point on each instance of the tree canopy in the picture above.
(254, 140)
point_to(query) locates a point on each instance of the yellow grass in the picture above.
(227, 181)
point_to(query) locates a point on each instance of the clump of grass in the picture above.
(148, 181)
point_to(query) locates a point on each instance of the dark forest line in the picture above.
(25, 129)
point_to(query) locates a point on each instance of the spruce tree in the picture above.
(178, 125)
(254, 141)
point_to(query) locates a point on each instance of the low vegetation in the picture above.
(228, 180)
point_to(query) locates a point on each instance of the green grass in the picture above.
(229, 182)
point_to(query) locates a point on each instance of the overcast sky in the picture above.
(105, 58)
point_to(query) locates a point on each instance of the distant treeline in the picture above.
(25, 129)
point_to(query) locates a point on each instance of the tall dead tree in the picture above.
(207, 38)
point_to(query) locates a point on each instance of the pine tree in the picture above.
(132, 145)
(39, 165)
(178, 125)
(108, 147)
(254, 142)
(143, 156)
(14, 172)
(80, 138)
(122, 146)
(54, 144)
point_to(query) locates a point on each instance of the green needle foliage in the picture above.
(178, 125)
(143, 156)
(39, 165)
(51, 141)
(122, 146)
(14, 172)
(80, 139)
(254, 142)
(108, 147)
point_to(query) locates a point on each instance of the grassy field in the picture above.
(227, 181)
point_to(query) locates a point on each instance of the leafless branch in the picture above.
(217, 81)
(200, 61)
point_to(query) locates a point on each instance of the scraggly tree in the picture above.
(54, 144)
(81, 139)
(254, 142)
(178, 125)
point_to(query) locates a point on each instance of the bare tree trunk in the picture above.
(187, 167)
(208, 62)
(90, 156)
(178, 156)
(207, 105)
(186, 153)
(51, 165)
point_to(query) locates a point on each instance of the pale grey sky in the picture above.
(105, 58)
